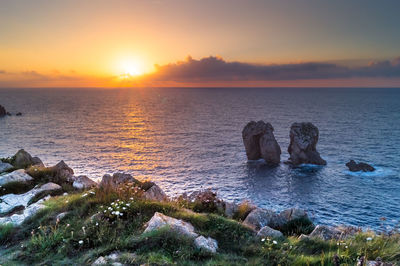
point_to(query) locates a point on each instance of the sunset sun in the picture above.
(130, 68)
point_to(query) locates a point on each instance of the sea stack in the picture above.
(303, 144)
(356, 167)
(3, 111)
(259, 142)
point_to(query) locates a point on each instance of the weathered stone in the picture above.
(269, 147)
(258, 218)
(230, 209)
(207, 244)
(292, 214)
(19, 218)
(251, 135)
(160, 220)
(267, 231)
(355, 167)
(22, 159)
(325, 232)
(5, 167)
(303, 144)
(117, 179)
(83, 182)
(37, 162)
(155, 193)
(3, 111)
(62, 173)
(12, 202)
(17, 176)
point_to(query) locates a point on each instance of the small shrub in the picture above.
(243, 210)
(6, 233)
(297, 227)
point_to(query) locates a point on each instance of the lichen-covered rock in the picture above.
(12, 202)
(17, 176)
(325, 232)
(5, 167)
(292, 214)
(83, 182)
(208, 244)
(116, 180)
(356, 167)
(258, 218)
(155, 193)
(303, 144)
(19, 218)
(267, 231)
(160, 220)
(259, 142)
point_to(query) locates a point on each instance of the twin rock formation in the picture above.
(259, 142)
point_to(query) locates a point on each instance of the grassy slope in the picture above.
(80, 238)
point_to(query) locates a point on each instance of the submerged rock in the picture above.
(267, 231)
(17, 176)
(155, 193)
(160, 220)
(116, 180)
(83, 182)
(208, 244)
(259, 142)
(3, 111)
(258, 218)
(12, 202)
(5, 167)
(303, 144)
(355, 167)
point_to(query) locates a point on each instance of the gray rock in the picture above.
(258, 218)
(325, 232)
(356, 167)
(19, 218)
(61, 216)
(5, 167)
(303, 144)
(62, 173)
(100, 261)
(12, 202)
(83, 182)
(230, 209)
(3, 111)
(267, 231)
(292, 214)
(259, 142)
(23, 159)
(155, 193)
(18, 176)
(303, 237)
(160, 220)
(117, 179)
(207, 244)
(37, 162)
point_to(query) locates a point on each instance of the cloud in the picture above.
(217, 69)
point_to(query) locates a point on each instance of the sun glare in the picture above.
(132, 68)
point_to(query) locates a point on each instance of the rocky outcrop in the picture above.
(303, 144)
(116, 180)
(267, 231)
(83, 182)
(160, 220)
(23, 159)
(3, 111)
(155, 193)
(356, 167)
(258, 218)
(20, 217)
(208, 244)
(11, 202)
(259, 142)
(5, 167)
(62, 173)
(293, 214)
(17, 176)
(325, 232)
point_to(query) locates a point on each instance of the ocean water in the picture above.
(190, 139)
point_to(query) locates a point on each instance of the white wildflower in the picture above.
(274, 242)
(80, 242)
(262, 240)
(369, 238)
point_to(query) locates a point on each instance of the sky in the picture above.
(47, 43)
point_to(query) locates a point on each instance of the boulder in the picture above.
(23, 159)
(293, 214)
(155, 193)
(325, 232)
(3, 111)
(269, 147)
(5, 167)
(17, 176)
(259, 142)
(62, 173)
(83, 182)
(356, 167)
(208, 244)
(117, 179)
(160, 220)
(303, 144)
(258, 218)
(19, 218)
(37, 162)
(11, 202)
(267, 231)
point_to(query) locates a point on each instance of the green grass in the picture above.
(83, 235)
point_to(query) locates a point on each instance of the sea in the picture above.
(189, 139)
